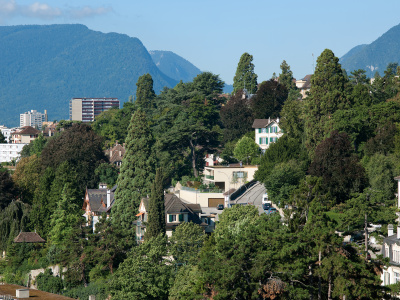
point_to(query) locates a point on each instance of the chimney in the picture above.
(390, 230)
(108, 198)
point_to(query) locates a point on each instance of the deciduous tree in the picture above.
(336, 163)
(246, 149)
(269, 99)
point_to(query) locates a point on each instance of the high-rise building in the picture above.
(86, 109)
(32, 118)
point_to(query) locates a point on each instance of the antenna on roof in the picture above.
(313, 67)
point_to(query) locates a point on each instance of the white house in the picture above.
(9, 152)
(267, 132)
(391, 249)
(7, 132)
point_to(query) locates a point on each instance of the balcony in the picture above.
(210, 177)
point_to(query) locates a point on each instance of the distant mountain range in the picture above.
(376, 56)
(43, 67)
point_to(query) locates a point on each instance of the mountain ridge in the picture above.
(44, 66)
(376, 55)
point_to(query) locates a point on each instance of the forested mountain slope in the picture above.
(375, 56)
(43, 67)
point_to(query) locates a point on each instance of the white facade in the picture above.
(32, 118)
(8, 152)
(266, 132)
(7, 132)
(212, 160)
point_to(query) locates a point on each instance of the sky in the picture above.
(213, 35)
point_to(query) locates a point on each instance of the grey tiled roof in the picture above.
(262, 123)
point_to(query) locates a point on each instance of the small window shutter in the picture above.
(260, 141)
(170, 218)
(271, 140)
(180, 218)
(259, 130)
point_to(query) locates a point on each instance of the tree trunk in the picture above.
(330, 286)
(319, 277)
(193, 154)
(311, 281)
(366, 237)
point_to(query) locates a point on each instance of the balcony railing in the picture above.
(201, 190)
(210, 177)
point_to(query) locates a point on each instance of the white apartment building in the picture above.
(7, 132)
(267, 132)
(86, 109)
(33, 118)
(8, 152)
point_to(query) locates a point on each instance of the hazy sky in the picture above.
(214, 34)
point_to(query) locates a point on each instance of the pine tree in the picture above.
(286, 77)
(144, 92)
(137, 171)
(327, 96)
(245, 78)
(156, 220)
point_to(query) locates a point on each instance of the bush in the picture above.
(49, 283)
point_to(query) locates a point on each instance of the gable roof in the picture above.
(261, 123)
(27, 130)
(98, 199)
(28, 237)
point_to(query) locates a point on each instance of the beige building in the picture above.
(229, 177)
(25, 135)
(304, 85)
(86, 109)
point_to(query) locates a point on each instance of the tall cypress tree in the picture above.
(156, 221)
(137, 171)
(327, 95)
(144, 91)
(286, 77)
(245, 76)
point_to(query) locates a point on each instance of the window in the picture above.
(396, 277)
(240, 174)
(264, 130)
(271, 140)
(205, 220)
(387, 278)
(396, 256)
(386, 250)
(172, 218)
(263, 141)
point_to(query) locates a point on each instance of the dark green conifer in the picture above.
(245, 78)
(137, 171)
(327, 95)
(144, 91)
(156, 220)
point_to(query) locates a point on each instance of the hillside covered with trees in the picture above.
(332, 171)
